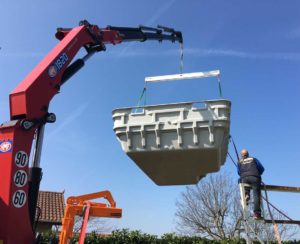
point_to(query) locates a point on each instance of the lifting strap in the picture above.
(214, 73)
(143, 94)
(181, 57)
(220, 88)
(235, 150)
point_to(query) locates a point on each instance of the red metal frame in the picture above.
(15, 221)
(30, 101)
(84, 223)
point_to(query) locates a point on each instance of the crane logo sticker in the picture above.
(52, 71)
(5, 146)
(58, 64)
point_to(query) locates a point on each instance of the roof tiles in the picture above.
(52, 206)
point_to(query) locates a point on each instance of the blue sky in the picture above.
(255, 44)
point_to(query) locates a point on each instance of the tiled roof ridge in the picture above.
(53, 192)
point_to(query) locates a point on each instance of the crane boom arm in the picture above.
(31, 98)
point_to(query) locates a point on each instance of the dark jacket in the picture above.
(250, 167)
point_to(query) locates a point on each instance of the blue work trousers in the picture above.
(255, 183)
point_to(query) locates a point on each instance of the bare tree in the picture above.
(212, 209)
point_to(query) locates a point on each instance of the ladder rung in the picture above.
(281, 221)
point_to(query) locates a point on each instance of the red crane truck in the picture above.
(29, 102)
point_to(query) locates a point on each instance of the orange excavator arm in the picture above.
(83, 198)
(81, 206)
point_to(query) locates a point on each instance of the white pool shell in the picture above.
(175, 144)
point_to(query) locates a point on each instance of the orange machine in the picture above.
(81, 206)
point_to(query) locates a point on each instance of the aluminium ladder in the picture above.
(248, 220)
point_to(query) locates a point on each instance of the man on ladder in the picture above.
(250, 171)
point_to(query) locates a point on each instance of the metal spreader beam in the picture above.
(183, 76)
